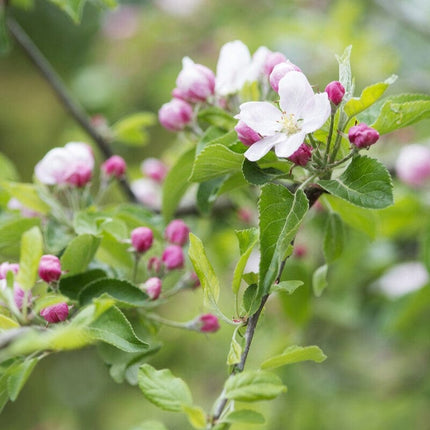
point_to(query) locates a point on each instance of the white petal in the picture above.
(289, 145)
(259, 149)
(187, 61)
(233, 63)
(262, 117)
(317, 110)
(294, 92)
(257, 64)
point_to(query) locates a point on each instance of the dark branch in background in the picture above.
(60, 90)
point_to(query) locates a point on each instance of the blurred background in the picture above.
(372, 321)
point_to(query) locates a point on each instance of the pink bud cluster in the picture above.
(362, 136)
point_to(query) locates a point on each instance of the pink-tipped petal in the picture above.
(263, 117)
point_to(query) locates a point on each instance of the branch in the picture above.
(60, 90)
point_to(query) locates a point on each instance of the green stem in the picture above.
(329, 137)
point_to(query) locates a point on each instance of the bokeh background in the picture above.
(376, 336)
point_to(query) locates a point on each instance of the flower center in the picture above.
(289, 123)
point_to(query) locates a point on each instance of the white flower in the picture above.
(302, 112)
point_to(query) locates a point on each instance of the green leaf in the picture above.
(150, 425)
(11, 232)
(281, 214)
(18, 377)
(245, 416)
(176, 183)
(211, 135)
(319, 280)
(368, 97)
(254, 174)
(71, 286)
(79, 253)
(345, 75)
(247, 240)
(31, 251)
(163, 389)
(7, 323)
(214, 161)
(114, 252)
(286, 287)
(295, 354)
(8, 171)
(365, 183)
(401, 111)
(235, 352)
(114, 328)
(218, 117)
(27, 195)
(204, 271)
(122, 291)
(251, 299)
(333, 238)
(196, 416)
(131, 130)
(207, 193)
(252, 386)
(73, 8)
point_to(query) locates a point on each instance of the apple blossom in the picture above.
(413, 164)
(272, 59)
(246, 134)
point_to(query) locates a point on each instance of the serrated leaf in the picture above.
(281, 214)
(208, 192)
(368, 97)
(333, 238)
(163, 389)
(204, 271)
(176, 183)
(71, 286)
(196, 416)
(114, 328)
(247, 240)
(245, 416)
(295, 354)
(214, 161)
(131, 130)
(319, 280)
(252, 386)
(365, 183)
(256, 175)
(79, 253)
(31, 251)
(217, 117)
(18, 377)
(122, 291)
(27, 195)
(286, 287)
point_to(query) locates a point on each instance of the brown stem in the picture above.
(60, 90)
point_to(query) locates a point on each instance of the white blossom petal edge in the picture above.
(302, 112)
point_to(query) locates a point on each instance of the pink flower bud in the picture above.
(49, 268)
(272, 59)
(207, 323)
(8, 267)
(173, 257)
(114, 166)
(18, 296)
(175, 115)
(141, 239)
(194, 279)
(80, 176)
(177, 232)
(302, 156)
(154, 264)
(148, 192)
(300, 251)
(246, 134)
(279, 71)
(362, 135)
(55, 313)
(195, 82)
(413, 165)
(335, 91)
(152, 287)
(154, 169)
(245, 215)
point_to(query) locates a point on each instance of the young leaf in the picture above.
(27, 195)
(295, 354)
(247, 240)
(79, 253)
(131, 130)
(368, 97)
(31, 251)
(71, 286)
(286, 287)
(176, 183)
(214, 161)
(252, 386)
(245, 416)
(345, 75)
(365, 183)
(235, 351)
(217, 117)
(196, 416)
(333, 238)
(7, 323)
(204, 270)
(163, 389)
(319, 280)
(18, 377)
(251, 299)
(281, 214)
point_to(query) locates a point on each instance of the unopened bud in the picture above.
(177, 232)
(19, 295)
(302, 156)
(55, 313)
(141, 239)
(335, 92)
(114, 166)
(279, 71)
(272, 59)
(154, 264)
(154, 169)
(152, 287)
(246, 134)
(175, 115)
(362, 136)
(207, 323)
(8, 267)
(80, 176)
(49, 268)
(173, 257)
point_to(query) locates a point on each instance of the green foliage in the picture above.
(27, 195)
(286, 287)
(74, 8)
(319, 280)
(196, 415)
(150, 425)
(345, 75)
(333, 238)
(235, 351)
(18, 375)
(252, 386)
(11, 232)
(131, 130)
(256, 175)
(79, 253)
(295, 354)
(217, 117)
(365, 183)
(281, 214)
(8, 171)
(251, 299)
(245, 416)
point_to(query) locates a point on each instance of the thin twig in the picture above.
(60, 90)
